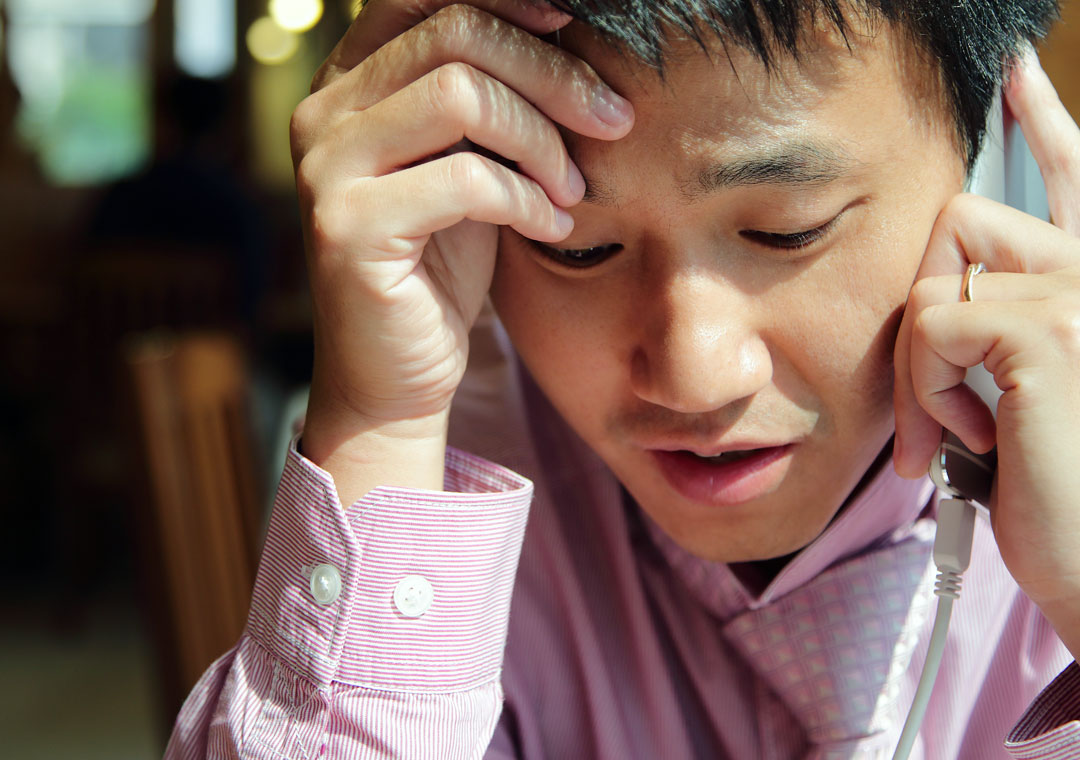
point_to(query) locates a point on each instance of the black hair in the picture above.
(972, 42)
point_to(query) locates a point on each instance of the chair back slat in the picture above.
(191, 396)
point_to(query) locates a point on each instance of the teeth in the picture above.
(731, 456)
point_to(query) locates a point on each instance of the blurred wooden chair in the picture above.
(191, 394)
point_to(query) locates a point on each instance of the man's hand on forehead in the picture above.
(400, 195)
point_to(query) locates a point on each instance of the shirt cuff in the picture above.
(407, 590)
(1050, 728)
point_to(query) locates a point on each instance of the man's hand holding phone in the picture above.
(1023, 325)
(400, 214)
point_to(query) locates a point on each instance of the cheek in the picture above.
(555, 329)
(861, 308)
(567, 334)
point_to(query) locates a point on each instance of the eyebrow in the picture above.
(599, 194)
(797, 164)
(790, 164)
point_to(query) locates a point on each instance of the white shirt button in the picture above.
(413, 595)
(325, 584)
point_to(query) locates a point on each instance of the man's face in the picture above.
(704, 323)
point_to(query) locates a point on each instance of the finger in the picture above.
(1053, 137)
(393, 216)
(379, 21)
(918, 430)
(971, 228)
(944, 344)
(561, 85)
(917, 433)
(948, 338)
(452, 103)
(987, 286)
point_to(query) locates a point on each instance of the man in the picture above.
(699, 224)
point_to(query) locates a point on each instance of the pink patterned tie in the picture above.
(835, 650)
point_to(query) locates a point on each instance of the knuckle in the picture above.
(921, 293)
(959, 206)
(466, 172)
(950, 220)
(301, 122)
(1065, 326)
(457, 91)
(325, 228)
(336, 221)
(453, 23)
(307, 174)
(454, 81)
(920, 328)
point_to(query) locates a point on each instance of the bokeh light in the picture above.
(204, 37)
(269, 43)
(296, 15)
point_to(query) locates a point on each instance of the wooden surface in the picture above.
(1060, 56)
(190, 393)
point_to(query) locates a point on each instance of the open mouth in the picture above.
(728, 456)
(728, 478)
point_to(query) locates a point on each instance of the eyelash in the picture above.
(583, 258)
(580, 258)
(790, 241)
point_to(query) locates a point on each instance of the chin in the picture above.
(752, 535)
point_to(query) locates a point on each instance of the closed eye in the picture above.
(790, 240)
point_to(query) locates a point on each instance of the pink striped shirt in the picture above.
(618, 644)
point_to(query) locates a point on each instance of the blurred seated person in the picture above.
(191, 200)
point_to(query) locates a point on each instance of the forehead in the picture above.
(843, 100)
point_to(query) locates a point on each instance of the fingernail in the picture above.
(610, 108)
(905, 471)
(897, 457)
(564, 223)
(574, 181)
(1028, 59)
(1031, 56)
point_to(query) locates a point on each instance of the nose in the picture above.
(697, 347)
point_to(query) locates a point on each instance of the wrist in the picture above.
(362, 452)
(361, 439)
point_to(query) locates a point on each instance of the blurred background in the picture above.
(155, 339)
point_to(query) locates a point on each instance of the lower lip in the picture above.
(725, 483)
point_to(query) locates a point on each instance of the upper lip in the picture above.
(712, 450)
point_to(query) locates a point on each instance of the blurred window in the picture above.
(205, 37)
(82, 72)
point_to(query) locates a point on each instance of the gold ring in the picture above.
(969, 277)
